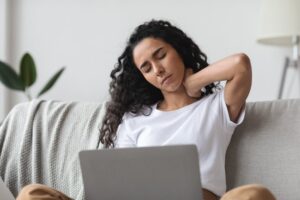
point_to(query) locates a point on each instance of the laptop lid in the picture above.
(160, 173)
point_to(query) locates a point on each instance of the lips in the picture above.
(165, 79)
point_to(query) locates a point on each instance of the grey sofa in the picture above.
(266, 148)
(40, 141)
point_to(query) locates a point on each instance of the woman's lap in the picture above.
(246, 192)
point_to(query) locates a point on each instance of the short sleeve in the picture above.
(123, 135)
(225, 114)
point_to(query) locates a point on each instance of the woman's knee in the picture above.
(27, 191)
(249, 192)
(39, 192)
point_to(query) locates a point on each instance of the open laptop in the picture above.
(148, 173)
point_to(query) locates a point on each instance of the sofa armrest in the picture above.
(40, 141)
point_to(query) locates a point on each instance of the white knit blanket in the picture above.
(40, 141)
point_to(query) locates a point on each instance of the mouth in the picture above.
(165, 79)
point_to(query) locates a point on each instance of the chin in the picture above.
(175, 86)
(172, 89)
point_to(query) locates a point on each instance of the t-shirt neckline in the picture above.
(186, 107)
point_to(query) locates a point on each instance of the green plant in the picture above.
(26, 78)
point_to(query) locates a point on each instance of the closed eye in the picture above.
(146, 68)
(162, 56)
(158, 54)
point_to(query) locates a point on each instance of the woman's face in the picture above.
(160, 64)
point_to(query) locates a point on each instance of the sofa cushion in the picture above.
(265, 149)
(40, 141)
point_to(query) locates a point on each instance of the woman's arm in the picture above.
(235, 70)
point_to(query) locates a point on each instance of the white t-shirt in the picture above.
(205, 123)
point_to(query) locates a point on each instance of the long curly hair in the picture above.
(129, 90)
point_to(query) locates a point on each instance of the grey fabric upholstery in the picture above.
(40, 141)
(265, 149)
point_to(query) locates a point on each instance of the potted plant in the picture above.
(26, 78)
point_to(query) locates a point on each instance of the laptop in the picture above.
(160, 173)
(5, 194)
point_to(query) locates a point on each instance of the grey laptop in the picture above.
(148, 173)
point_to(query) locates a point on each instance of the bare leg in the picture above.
(249, 192)
(40, 192)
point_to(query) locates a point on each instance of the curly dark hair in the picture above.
(129, 90)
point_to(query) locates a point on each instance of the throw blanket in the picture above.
(40, 141)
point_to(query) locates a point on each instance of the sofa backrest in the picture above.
(40, 141)
(265, 148)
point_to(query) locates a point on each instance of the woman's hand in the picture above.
(235, 70)
(192, 92)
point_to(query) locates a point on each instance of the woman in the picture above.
(164, 92)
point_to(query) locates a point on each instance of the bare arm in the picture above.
(236, 71)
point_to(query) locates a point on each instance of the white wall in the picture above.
(3, 56)
(88, 36)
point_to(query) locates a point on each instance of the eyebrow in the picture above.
(153, 55)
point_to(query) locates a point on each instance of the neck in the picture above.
(175, 100)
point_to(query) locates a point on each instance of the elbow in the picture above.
(243, 62)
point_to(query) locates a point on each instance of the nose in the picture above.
(158, 69)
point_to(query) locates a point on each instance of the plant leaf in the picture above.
(27, 70)
(10, 78)
(51, 82)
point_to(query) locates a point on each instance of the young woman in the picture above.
(164, 92)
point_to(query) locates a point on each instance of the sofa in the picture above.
(40, 141)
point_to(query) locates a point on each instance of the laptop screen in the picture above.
(164, 172)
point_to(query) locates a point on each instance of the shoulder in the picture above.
(215, 98)
(144, 112)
